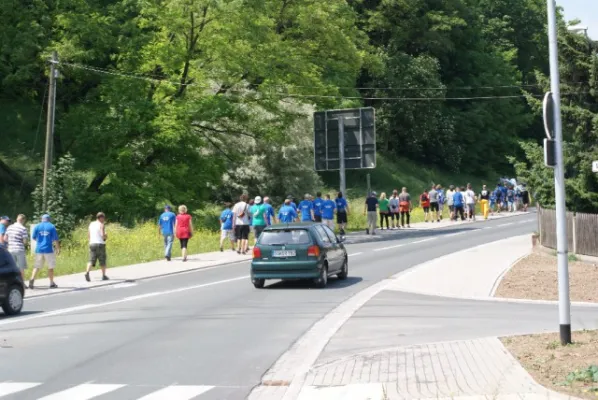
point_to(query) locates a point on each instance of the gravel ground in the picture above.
(535, 278)
(550, 364)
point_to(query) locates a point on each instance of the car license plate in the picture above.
(284, 253)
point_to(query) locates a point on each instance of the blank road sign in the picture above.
(360, 139)
(595, 166)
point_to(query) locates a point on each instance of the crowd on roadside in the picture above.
(246, 217)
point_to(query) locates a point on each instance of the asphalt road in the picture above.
(209, 331)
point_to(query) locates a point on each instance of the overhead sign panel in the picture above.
(359, 126)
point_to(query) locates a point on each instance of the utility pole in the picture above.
(49, 153)
(341, 153)
(559, 182)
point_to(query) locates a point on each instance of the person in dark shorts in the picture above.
(424, 203)
(241, 224)
(97, 245)
(405, 207)
(525, 197)
(371, 208)
(318, 202)
(459, 204)
(342, 212)
(434, 207)
(184, 229)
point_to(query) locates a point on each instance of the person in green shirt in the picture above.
(258, 217)
(384, 211)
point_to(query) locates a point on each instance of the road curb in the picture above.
(113, 283)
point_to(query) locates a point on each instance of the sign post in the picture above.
(341, 156)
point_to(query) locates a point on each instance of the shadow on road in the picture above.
(305, 284)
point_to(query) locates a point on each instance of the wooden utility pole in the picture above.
(50, 127)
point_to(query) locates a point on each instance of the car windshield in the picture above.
(287, 236)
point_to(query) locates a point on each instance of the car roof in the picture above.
(295, 225)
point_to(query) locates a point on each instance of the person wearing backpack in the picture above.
(241, 224)
(424, 203)
(393, 205)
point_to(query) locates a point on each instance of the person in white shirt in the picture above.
(241, 224)
(449, 201)
(97, 245)
(470, 199)
(17, 237)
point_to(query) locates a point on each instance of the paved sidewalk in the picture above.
(131, 273)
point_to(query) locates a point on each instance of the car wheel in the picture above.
(344, 271)
(322, 280)
(259, 283)
(14, 301)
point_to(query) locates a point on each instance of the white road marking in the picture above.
(7, 388)
(177, 392)
(109, 303)
(488, 227)
(389, 247)
(355, 254)
(456, 234)
(83, 392)
(423, 240)
(510, 223)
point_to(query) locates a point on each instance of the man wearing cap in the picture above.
(4, 222)
(306, 208)
(97, 245)
(46, 249)
(259, 217)
(17, 236)
(166, 229)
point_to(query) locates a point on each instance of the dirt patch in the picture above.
(565, 369)
(535, 278)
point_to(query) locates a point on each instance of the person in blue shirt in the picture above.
(4, 223)
(292, 200)
(328, 209)
(270, 216)
(287, 213)
(342, 212)
(46, 238)
(226, 227)
(166, 229)
(504, 190)
(510, 199)
(306, 208)
(499, 197)
(459, 203)
(318, 201)
(493, 201)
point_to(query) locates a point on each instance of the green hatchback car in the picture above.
(298, 251)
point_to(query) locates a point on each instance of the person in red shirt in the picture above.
(183, 229)
(424, 202)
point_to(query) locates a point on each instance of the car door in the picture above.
(335, 260)
(327, 246)
(338, 247)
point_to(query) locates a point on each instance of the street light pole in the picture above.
(559, 182)
(49, 152)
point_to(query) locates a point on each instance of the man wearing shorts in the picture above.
(470, 200)
(424, 203)
(259, 217)
(46, 249)
(226, 227)
(306, 209)
(405, 207)
(97, 245)
(525, 197)
(241, 224)
(17, 236)
(318, 201)
(328, 208)
(434, 207)
(342, 212)
(450, 201)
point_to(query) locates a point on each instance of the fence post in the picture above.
(574, 216)
(539, 221)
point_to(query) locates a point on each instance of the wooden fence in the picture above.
(582, 231)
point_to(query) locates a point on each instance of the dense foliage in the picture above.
(190, 101)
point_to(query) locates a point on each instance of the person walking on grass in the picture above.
(226, 227)
(384, 211)
(17, 238)
(306, 208)
(459, 204)
(434, 207)
(328, 209)
(318, 202)
(270, 216)
(258, 218)
(287, 213)
(97, 245)
(424, 203)
(485, 201)
(241, 224)
(405, 207)
(46, 249)
(371, 208)
(342, 212)
(184, 229)
(166, 229)
(470, 200)
(450, 193)
(393, 205)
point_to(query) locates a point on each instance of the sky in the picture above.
(585, 10)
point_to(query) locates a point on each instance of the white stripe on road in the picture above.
(109, 303)
(83, 392)
(7, 388)
(355, 254)
(389, 247)
(510, 223)
(405, 244)
(424, 240)
(177, 392)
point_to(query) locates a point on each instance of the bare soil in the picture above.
(550, 364)
(535, 278)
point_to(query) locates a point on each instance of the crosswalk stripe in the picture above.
(83, 392)
(7, 388)
(177, 392)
